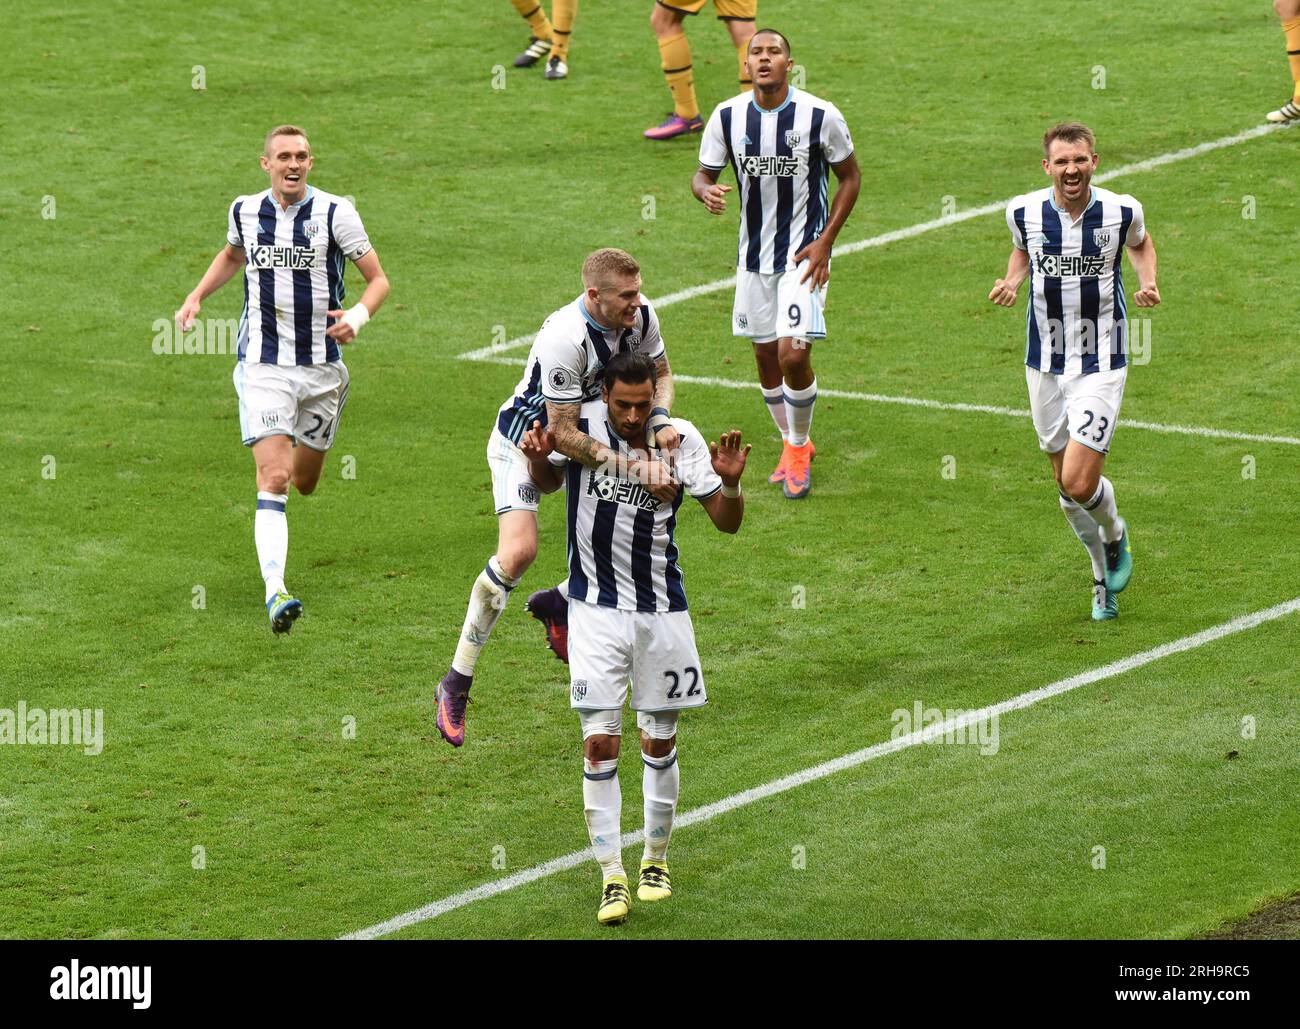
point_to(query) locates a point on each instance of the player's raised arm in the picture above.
(1143, 257)
(1005, 289)
(727, 506)
(350, 321)
(228, 261)
(665, 435)
(848, 178)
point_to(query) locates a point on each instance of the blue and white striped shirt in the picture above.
(622, 550)
(566, 360)
(293, 273)
(1075, 322)
(781, 161)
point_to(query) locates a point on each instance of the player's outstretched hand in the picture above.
(537, 443)
(715, 198)
(818, 255)
(1148, 297)
(728, 458)
(186, 315)
(1003, 294)
(340, 331)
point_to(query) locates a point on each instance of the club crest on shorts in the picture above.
(528, 493)
(742, 321)
(579, 689)
(1102, 238)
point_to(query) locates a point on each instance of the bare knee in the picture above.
(517, 556)
(652, 747)
(306, 484)
(796, 363)
(1287, 8)
(1080, 486)
(273, 480)
(600, 747)
(663, 21)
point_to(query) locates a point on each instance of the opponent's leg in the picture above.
(565, 11)
(542, 33)
(1289, 13)
(742, 31)
(675, 56)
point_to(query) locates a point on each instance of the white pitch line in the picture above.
(839, 764)
(920, 228)
(940, 405)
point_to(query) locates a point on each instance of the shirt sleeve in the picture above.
(1137, 228)
(562, 364)
(713, 148)
(234, 231)
(349, 233)
(652, 342)
(837, 144)
(694, 465)
(1017, 240)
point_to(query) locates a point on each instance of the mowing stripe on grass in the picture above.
(940, 405)
(839, 764)
(920, 228)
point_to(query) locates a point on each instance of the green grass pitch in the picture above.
(131, 586)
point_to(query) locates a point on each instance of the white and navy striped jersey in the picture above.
(622, 552)
(566, 360)
(781, 160)
(1076, 296)
(293, 273)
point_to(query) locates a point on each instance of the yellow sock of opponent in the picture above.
(675, 53)
(538, 23)
(1292, 29)
(565, 11)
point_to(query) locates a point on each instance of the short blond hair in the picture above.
(603, 266)
(1069, 132)
(284, 130)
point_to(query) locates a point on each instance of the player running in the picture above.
(290, 240)
(1289, 12)
(675, 53)
(628, 611)
(547, 38)
(779, 141)
(1069, 239)
(563, 371)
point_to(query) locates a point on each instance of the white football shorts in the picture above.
(303, 401)
(772, 307)
(1079, 406)
(513, 488)
(655, 651)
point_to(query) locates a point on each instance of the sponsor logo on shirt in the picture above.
(263, 257)
(620, 491)
(757, 165)
(1057, 266)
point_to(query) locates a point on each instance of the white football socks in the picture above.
(799, 412)
(271, 535)
(1101, 509)
(660, 784)
(486, 602)
(602, 805)
(775, 399)
(1089, 535)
